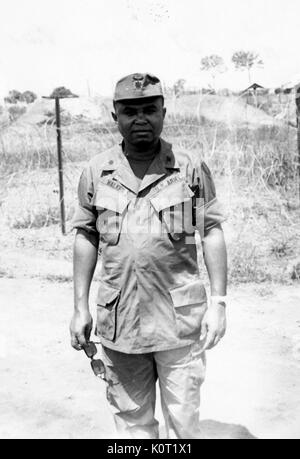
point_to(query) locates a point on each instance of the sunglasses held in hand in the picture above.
(97, 365)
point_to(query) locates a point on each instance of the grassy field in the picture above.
(255, 173)
(53, 392)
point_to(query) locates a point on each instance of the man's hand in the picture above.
(213, 326)
(215, 256)
(85, 260)
(80, 329)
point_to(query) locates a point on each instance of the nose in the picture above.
(140, 119)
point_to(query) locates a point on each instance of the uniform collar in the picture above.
(161, 165)
(167, 156)
(163, 162)
(115, 158)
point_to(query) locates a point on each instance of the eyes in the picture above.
(128, 111)
(150, 110)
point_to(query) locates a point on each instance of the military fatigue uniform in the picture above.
(151, 299)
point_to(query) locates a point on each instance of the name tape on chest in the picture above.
(115, 185)
(167, 182)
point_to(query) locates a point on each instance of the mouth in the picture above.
(141, 131)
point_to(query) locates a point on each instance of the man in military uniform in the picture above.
(141, 204)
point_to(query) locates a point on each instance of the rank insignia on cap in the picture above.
(138, 86)
(138, 80)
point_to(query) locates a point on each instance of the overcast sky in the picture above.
(91, 43)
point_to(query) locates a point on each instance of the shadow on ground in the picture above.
(214, 430)
(220, 430)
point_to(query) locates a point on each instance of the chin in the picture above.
(143, 143)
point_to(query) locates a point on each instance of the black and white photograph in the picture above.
(149, 222)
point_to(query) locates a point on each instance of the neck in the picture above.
(141, 154)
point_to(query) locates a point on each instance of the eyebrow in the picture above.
(133, 107)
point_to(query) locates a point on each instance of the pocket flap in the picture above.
(106, 294)
(172, 195)
(107, 197)
(191, 293)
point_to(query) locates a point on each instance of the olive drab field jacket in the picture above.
(151, 297)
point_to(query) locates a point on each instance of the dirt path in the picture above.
(48, 391)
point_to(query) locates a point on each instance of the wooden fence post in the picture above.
(298, 131)
(59, 156)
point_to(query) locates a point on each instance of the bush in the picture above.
(15, 96)
(61, 91)
(15, 112)
(29, 97)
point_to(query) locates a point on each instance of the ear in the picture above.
(164, 112)
(114, 116)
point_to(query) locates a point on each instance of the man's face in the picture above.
(140, 121)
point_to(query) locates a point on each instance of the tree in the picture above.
(213, 64)
(61, 91)
(29, 97)
(247, 60)
(13, 97)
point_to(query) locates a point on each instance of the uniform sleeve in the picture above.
(210, 210)
(86, 214)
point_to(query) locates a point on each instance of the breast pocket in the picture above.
(107, 305)
(190, 304)
(111, 205)
(173, 206)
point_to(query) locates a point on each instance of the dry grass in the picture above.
(26, 147)
(255, 171)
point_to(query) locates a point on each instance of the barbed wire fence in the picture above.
(266, 157)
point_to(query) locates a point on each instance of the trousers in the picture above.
(131, 391)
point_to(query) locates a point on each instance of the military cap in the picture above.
(138, 86)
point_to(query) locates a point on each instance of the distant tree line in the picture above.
(214, 65)
(242, 60)
(15, 96)
(284, 90)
